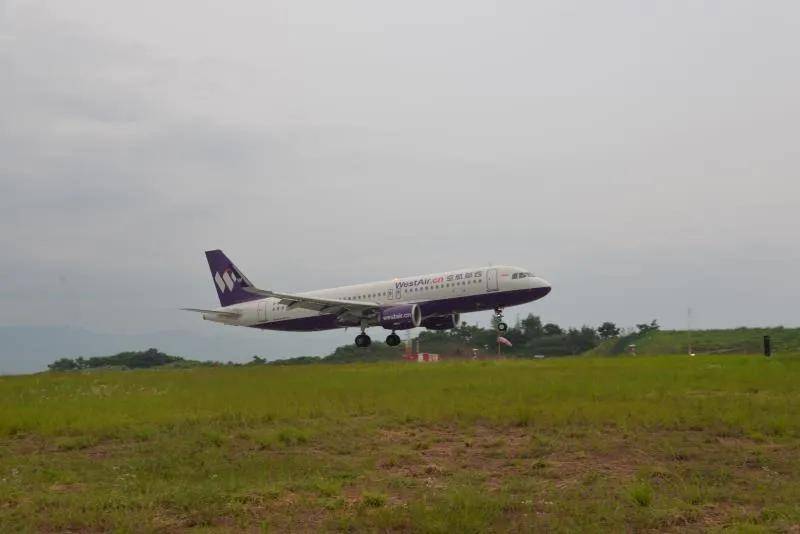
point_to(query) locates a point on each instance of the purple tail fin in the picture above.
(228, 280)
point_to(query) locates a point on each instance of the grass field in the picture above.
(728, 341)
(572, 444)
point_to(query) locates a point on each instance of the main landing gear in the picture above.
(392, 340)
(363, 340)
(501, 326)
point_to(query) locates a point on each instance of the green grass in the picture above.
(572, 444)
(729, 341)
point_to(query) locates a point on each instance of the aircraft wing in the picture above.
(321, 305)
(231, 314)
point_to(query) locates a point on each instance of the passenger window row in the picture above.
(416, 289)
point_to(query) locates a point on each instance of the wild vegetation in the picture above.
(565, 444)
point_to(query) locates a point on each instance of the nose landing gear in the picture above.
(501, 326)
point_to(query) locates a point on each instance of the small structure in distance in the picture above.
(421, 357)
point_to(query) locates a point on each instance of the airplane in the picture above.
(433, 301)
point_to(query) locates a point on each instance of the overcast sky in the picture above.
(641, 156)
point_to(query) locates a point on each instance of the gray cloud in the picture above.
(642, 159)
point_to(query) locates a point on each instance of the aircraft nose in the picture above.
(539, 282)
(540, 285)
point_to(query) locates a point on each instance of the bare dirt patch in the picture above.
(497, 454)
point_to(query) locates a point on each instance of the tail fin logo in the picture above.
(227, 281)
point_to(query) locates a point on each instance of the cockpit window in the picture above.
(515, 276)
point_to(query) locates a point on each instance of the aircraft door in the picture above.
(491, 280)
(262, 310)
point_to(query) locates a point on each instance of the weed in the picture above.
(641, 494)
(373, 500)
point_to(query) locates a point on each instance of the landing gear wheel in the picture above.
(363, 341)
(392, 340)
(501, 326)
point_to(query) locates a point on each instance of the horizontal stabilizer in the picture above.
(231, 314)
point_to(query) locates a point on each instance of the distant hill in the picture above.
(733, 341)
(124, 360)
(28, 349)
(377, 352)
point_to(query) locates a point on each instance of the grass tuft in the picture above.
(373, 500)
(641, 493)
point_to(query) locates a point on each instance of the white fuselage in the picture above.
(462, 290)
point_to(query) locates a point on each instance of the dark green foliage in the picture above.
(530, 337)
(374, 353)
(377, 352)
(645, 328)
(63, 364)
(131, 360)
(300, 360)
(552, 329)
(531, 327)
(607, 330)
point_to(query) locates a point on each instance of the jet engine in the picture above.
(400, 317)
(441, 322)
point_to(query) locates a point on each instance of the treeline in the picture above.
(528, 337)
(376, 352)
(129, 360)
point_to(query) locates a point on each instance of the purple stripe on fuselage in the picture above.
(465, 304)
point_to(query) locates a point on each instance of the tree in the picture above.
(552, 329)
(607, 330)
(64, 364)
(515, 336)
(581, 340)
(532, 327)
(257, 360)
(645, 328)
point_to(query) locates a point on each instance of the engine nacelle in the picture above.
(400, 317)
(441, 322)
